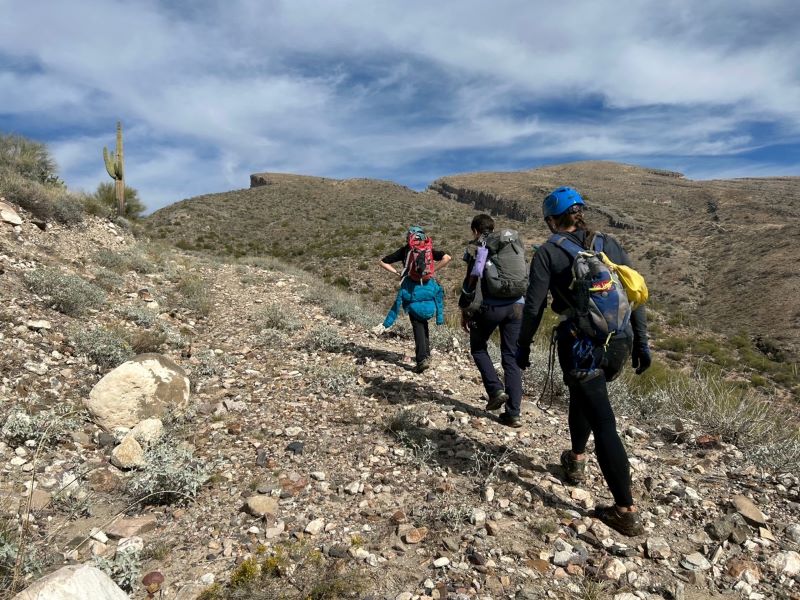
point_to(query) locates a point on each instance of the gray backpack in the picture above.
(506, 272)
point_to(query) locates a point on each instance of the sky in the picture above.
(209, 92)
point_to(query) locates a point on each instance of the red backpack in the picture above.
(419, 262)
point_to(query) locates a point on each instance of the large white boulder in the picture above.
(146, 386)
(74, 582)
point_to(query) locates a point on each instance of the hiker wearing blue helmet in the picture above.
(420, 295)
(588, 362)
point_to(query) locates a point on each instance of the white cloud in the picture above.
(212, 90)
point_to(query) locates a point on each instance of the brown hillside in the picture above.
(701, 244)
(720, 252)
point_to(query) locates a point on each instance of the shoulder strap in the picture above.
(566, 244)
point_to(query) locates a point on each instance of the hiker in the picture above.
(587, 364)
(420, 295)
(486, 307)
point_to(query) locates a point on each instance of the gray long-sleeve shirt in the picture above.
(551, 270)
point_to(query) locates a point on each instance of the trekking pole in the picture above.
(549, 380)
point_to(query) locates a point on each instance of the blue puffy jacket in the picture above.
(422, 301)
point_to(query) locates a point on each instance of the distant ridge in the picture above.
(718, 254)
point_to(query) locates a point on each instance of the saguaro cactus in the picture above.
(116, 170)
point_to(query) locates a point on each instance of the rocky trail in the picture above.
(320, 461)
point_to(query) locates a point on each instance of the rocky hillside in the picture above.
(708, 248)
(267, 445)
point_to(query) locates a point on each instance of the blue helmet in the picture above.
(415, 229)
(559, 200)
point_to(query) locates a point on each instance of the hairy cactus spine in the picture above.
(116, 170)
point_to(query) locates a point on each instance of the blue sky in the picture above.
(407, 91)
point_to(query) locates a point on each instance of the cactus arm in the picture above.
(108, 158)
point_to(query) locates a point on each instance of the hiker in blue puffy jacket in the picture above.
(420, 300)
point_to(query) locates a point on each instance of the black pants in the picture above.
(422, 340)
(509, 319)
(590, 409)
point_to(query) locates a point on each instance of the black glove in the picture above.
(523, 356)
(640, 358)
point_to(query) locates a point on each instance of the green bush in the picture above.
(108, 279)
(142, 316)
(68, 294)
(28, 159)
(124, 568)
(105, 347)
(47, 427)
(106, 196)
(45, 202)
(194, 294)
(170, 475)
(324, 338)
(130, 260)
(274, 316)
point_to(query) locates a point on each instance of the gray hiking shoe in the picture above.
(627, 523)
(497, 400)
(509, 420)
(574, 470)
(423, 366)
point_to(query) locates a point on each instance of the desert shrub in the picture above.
(46, 202)
(142, 316)
(194, 295)
(94, 207)
(106, 196)
(171, 475)
(47, 427)
(124, 568)
(273, 338)
(673, 344)
(401, 421)
(31, 563)
(336, 380)
(108, 279)
(130, 260)
(68, 294)
(291, 571)
(144, 341)
(27, 158)
(105, 347)
(209, 364)
(274, 316)
(324, 338)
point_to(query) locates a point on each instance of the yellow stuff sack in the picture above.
(633, 282)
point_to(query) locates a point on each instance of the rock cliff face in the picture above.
(519, 209)
(485, 201)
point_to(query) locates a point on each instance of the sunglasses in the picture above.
(575, 209)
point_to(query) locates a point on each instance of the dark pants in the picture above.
(422, 340)
(509, 319)
(590, 409)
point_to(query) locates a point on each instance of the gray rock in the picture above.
(74, 582)
(695, 562)
(793, 531)
(657, 547)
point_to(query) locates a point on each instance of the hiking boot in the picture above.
(574, 470)
(496, 400)
(627, 523)
(509, 420)
(423, 366)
